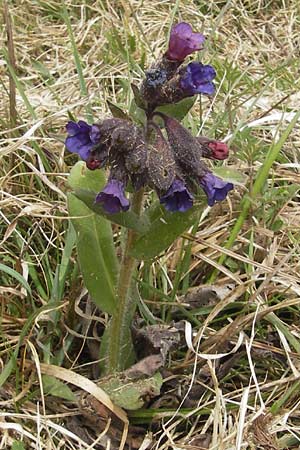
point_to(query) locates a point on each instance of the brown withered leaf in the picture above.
(198, 442)
(94, 418)
(261, 434)
(205, 296)
(144, 368)
(155, 339)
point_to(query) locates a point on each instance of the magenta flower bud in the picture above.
(112, 197)
(177, 198)
(219, 150)
(82, 137)
(183, 42)
(213, 149)
(197, 79)
(215, 189)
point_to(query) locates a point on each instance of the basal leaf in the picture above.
(96, 254)
(131, 394)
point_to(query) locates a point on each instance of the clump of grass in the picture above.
(64, 56)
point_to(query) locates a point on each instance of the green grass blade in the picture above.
(257, 187)
(13, 273)
(78, 64)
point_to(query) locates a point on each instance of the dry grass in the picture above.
(248, 399)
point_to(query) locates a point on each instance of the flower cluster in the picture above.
(168, 159)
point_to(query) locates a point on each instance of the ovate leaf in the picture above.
(178, 110)
(164, 229)
(117, 111)
(229, 174)
(131, 394)
(55, 387)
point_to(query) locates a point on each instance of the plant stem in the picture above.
(120, 344)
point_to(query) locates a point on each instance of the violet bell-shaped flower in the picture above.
(197, 79)
(215, 189)
(112, 198)
(82, 137)
(177, 198)
(183, 42)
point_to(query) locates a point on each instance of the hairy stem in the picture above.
(120, 343)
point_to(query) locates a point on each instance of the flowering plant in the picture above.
(160, 155)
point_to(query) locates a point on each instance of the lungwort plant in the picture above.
(154, 154)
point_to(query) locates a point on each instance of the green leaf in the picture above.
(96, 254)
(117, 111)
(55, 387)
(178, 110)
(131, 394)
(16, 275)
(82, 178)
(232, 175)
(164, 229)
(17, 445)
(95, 245)
(136, 113)
(139, 101)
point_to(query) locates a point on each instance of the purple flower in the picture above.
(215, 188)
(82, 137)
(177, 198)
(112, 198)
(197, 79)
(183, 42)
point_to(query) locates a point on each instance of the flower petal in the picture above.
(177, 198)
(183, 42)
(112, 197)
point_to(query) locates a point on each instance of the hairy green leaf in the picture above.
(131, 394)
(229, 174)
(55, 387)
(178, 110)
(164, 229)
(96, 254)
